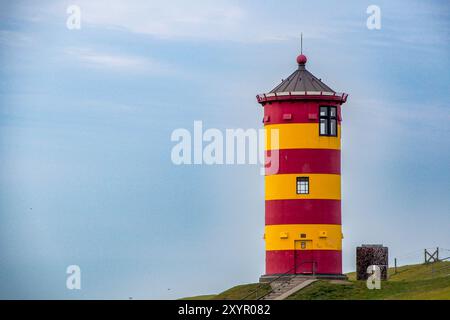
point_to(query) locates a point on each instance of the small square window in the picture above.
(302, 185)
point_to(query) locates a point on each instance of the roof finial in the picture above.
(301, 59)
(301, 43)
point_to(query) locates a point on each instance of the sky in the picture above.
(86, 117)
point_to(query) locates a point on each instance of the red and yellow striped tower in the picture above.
(303, 193)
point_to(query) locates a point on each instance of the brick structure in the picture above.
(368, 255)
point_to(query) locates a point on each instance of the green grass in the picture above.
(409, 283)
(237, 293)
(413, 272)
(203, 297)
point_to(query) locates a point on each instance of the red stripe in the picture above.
(303, 211)
(303, 161)
(301, 112)
(300, 261)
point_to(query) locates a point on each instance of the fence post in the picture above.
(425, 255)
(395, 265)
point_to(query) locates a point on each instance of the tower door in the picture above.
(304, 257)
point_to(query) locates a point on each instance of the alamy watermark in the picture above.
(73, 21)
(373, 22)
(232, 147)
(73, 281)
(374, 280)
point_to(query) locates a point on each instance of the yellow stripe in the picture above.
(318, 237)
(321, 186)
(300, 136)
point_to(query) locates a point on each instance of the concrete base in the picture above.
(270, 277)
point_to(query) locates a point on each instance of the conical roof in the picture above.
(301, 80)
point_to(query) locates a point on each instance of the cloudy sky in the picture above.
(86, 118)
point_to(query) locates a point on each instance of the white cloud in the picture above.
(92, 58)
(199, 19)
(225, 20)
(14, 38)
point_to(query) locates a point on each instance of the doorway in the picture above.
(304, 257)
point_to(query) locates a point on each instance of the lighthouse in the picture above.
(303, 233)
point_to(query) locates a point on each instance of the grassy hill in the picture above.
(237, 293)
(421, 281)
(428, 282)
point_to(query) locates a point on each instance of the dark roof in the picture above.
(301, 80)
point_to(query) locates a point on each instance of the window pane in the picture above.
(323, 111)
(302, 185)
(333, 129)
(333, 112)
(323, 126)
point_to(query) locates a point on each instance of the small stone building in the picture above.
(371, 254)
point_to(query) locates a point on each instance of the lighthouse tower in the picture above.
(303, 232)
